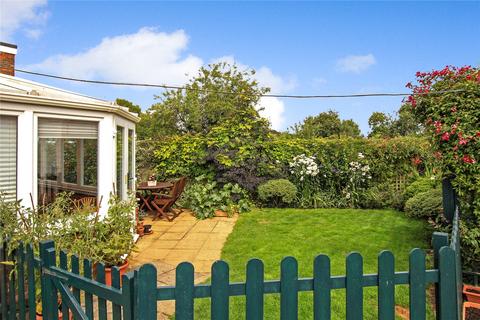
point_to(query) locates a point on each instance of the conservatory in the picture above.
(53, 141)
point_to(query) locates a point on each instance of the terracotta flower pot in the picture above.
(140, 228)
(472, 293)
(108, 273)
(221, 213)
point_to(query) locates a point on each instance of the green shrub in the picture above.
(203, 197)
(383, 195)
(425, 204)
(277, 192)
(422, 184)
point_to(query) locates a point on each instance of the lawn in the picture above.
(271, 234)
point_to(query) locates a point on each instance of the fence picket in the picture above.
(386, 286)
(75, 262)
(417, 284)
(64, 266)
(184, 291)
(447, 284)
(102, 303)
(127, 293)
(21, 281)
(49, 293)
(289, 289)
(147, 285)
(3, 280)
(116, 309)
(32, 299)
(254, 289)
(354, 286)
(322, 286)
(220, 282)
(12, 305)
(87, 273)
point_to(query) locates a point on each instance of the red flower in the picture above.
(446, 136)
(467, 159)
(463, 141)
(454, 109)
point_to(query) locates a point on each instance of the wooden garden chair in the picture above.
(163, 203)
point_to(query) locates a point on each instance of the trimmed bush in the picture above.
(422, 184)
(278, 192)
(425, 204)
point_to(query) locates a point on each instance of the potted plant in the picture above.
(113, 236)
(472, 293)
(152, 181)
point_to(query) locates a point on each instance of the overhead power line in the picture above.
(164, 86)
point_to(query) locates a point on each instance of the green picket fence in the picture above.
(321, 284)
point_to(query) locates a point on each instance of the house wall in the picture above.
(27, 146)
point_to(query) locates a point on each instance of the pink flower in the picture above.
(446, 136)
(467, 159)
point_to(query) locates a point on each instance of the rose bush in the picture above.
(447, 102)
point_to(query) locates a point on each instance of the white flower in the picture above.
(360, 155)
(301, 178)
(347, 195)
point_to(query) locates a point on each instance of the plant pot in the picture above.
(221, 213)
(140, 228)
(147, 229)
(108, 273)
(152, 183)
(472, 293)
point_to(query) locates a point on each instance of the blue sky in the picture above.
(297, 47)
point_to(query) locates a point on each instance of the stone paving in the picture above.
(184, 239)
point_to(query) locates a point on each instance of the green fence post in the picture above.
(354, 286)
(3, 280)
(32, 303)
(101, 303)
(254, 290)
(417, 284)
(447, 285)
(49, 293)
(386, 286)
(439, 240)
(322, 285)
(147, 288)
(289, 289)
(128, 298)
(87, 273)
(184, 291)
(449, 199)
(220, 295)
(21, 281)
(116, 309)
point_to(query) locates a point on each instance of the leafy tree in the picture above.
(216, 94)
(380, 124)
(131, 107)
(326, 124)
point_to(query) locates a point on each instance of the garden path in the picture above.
(184, 239)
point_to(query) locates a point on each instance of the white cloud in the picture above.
(145, 56)
(18, 14)
(355, 64)
(273, 108)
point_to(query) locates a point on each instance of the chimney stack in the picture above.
(7, 58)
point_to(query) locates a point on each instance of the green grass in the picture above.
(271, 234)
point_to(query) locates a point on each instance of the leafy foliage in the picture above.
(326, 124)
(426, 204)
(203, 197)
(215, 95)
(422, 184)
(277, 193)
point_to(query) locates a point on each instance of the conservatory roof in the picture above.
(14, 89)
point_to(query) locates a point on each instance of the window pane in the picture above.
(8, 157)
(90, 162)
(67, 158)
(70, 160)
(119, 185)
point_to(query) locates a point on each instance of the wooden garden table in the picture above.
(143, 188)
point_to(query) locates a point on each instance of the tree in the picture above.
(216, 94)
(380, 125)
(326, 124)
(128, 104)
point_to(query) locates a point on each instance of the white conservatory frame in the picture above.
(29, 101)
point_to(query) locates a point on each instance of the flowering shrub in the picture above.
(303, 167)
(447, 101)
(359, 179)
